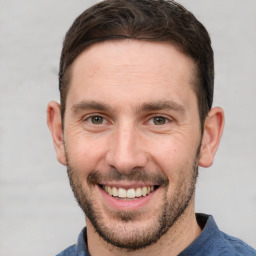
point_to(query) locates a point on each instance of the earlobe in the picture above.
(55, 126)
(213, 128)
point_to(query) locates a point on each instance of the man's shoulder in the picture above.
(213, 242)
(70, 251)
(78, 249)
(237, 246)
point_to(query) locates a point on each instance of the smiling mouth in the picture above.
(131, 193)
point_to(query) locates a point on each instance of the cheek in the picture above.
(174, 156)
(86, 152)
(171, 150)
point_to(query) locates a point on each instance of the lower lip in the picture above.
(130, 205)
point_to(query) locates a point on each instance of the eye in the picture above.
(96, 120)
(159, 120)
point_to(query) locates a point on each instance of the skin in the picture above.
(129, 84)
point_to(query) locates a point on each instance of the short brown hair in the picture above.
(152, 20)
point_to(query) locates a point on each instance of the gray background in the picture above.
(38, 215)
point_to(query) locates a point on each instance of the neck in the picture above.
(178, 237)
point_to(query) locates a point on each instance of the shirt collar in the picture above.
(81, 247)
(210, 233)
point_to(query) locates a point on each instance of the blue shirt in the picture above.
(211, 242)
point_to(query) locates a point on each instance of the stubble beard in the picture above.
(170, 212)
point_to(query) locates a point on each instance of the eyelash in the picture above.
(89, 119)
(165, 119)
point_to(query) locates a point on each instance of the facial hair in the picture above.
(171, 209)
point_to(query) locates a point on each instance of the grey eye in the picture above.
(97, 120)
(159, 120)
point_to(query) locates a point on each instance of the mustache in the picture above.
(97, 177)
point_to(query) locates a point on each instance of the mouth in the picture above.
(128, 194)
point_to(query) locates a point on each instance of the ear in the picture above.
(213, 128)
(55, 126)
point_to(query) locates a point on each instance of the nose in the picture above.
(126, 149)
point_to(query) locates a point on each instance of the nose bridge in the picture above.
(126, 151)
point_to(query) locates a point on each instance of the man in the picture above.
(135, 122)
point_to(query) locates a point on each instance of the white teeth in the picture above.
(144, 191)
(110, 190)
(138, 192)
(130, 193)
(114, 191)
(122, 193)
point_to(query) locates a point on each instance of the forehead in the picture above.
(133, 66)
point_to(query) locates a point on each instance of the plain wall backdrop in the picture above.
(38, 214)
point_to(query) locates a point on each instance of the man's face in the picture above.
(132, 129)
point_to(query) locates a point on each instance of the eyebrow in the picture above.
(85, 105)
(160, 105)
